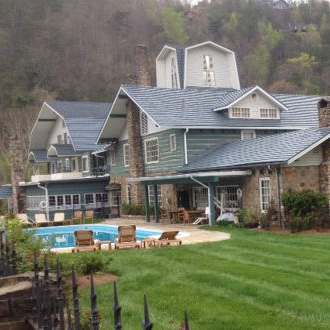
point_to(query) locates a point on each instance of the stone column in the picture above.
(17, 173)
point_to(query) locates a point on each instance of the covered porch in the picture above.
(203, 189)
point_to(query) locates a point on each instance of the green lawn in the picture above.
(253, 281)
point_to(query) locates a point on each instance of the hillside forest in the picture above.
(83, 50)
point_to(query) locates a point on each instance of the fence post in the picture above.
(116, 308)
(147, 325)
(75, 300)
(60, 298)
(95, 313)
(186, 321)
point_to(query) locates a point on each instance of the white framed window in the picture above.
(76, 199)
(173, 142)
(129, 194)
(144, 123)
(89, 199)
(174, 74)
(68, 200)
(65, 138)
(115, 197)
(200, 197)
(265, 194)
(151, 148)
(248, 134)
(126, 154)
(268, 113)
(152, 195)
(59, 200)
(52, 201)
(59, 139)
(208, 72)
(67, 164)
(74, 164)
(85, 164)
(228, 196)
(113, 157)
(237, 112)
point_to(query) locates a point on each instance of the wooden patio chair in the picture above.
(59, 218)
(77, 216)
(127, 237)
(40, 219)
(167, 238)
(89, 215)
(180, 216)
(187, 218)
(24, 220)
(84, 241)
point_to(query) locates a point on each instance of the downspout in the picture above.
(185, 146)
(278, 172)
(47, 200)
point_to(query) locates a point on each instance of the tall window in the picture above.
(265, 195)
(65, 138)
(76, 199)
(240, 112)
(115, 198)
(269, 113)
(200, 197)
(152, 150)
(89, 198)
(59, 139)
(67, 164)
(174, 74)
(248, 134)
(144, 123)
(73, 165)
(208, 73)
(152, 195)
(126, 154)
(129, 194)
(228, 196)
(113, 156)
(85, 165)
(173, 142)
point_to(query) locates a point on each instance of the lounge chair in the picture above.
(59, 218)
(84, 241)
(89, 215)
(77, 215)
(24, 220)
(167, 238)
(203, 220)
(40, 219)
(127, 237)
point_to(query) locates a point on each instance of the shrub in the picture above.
(306, 209)
(301, 203)
(135, 209)
(250, 218)
(267, 218)
(92, 262)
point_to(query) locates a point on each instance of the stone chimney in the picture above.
(136, 167)
(17, 172)
(324, 112)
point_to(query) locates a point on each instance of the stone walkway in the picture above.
(195, 236)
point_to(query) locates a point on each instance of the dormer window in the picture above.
(268, 113)
(173, 74)
(240, 112)
(208, 73)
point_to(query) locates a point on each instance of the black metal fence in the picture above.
(52, 310)
(7, 256)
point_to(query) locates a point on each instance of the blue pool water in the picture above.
(63, 236)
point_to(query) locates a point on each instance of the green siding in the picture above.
(119, 169)
(169, 161)
(199, 140)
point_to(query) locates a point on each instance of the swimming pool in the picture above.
(63, 236)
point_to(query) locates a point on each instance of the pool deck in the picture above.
(196, 235)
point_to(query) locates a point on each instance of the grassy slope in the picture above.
(253, 281)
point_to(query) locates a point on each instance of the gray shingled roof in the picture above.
(84, 121)
(5, 192)
(230, 97)
(65, 149)
(193, 107)
(273, 149)
(40, 155)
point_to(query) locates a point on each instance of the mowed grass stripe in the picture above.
(243, 283)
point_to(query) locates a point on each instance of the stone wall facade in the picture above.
(324, 112)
